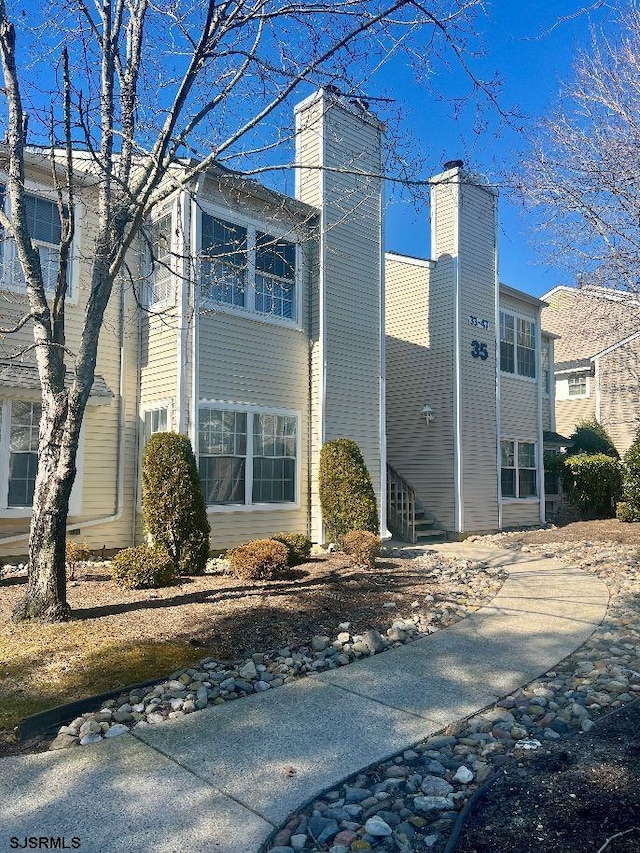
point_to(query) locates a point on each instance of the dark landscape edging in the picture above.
(45, 721)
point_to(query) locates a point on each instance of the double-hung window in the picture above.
(247, 457)
(159, 281)
(577, 384)
(546, 366)
(517, 345)
(243, 267)
(19, 432)
(45, 229)
(518, 469)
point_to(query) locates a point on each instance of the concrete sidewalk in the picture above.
(215, 780)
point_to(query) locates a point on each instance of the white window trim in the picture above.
(75, 499)
(510, 499)
(174, 254)
(587, 386)
(154, 406)
(252, 225)
(546, 345)
(250, 409)
(515, 375)
(46, 192)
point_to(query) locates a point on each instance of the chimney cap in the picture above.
(453, 164)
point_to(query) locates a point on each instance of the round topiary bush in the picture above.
(362, 547)
(298, 547)
(591, 437)
(142, 568)
(347, 498)
(173, 507)
(258, 560)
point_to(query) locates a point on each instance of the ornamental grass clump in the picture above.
(142, 568)
(298, 547)
(347, 498)
(173, 507)
(259, 560)
(361, 547)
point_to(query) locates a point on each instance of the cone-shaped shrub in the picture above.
(347, 498)
(631, 483)
(172, 504)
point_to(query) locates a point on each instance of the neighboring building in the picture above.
(262, 337)
(469, 385)
(597, 360)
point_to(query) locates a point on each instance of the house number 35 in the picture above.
(479, 350)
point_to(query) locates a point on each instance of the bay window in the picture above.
(243, 267)
(247, 456)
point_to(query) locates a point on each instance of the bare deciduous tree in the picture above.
(583, 174)
(138, 85)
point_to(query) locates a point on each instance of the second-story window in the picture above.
(246, 268)
(45, 229)
(517, 345)
(159, 245)
(577, 384)
(546, 365)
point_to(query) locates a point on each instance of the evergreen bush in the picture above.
(630, 508)
(258, 560)
(142, 568)
(347, 498)
(173, 507)
(592, 483)
(591, 437)
(298, 547)
(362, 547)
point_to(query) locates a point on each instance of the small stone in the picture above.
(463, 775)
(90, 727)
(116, 730)
(435, 786)
(90, 738)
(427, 804)
(346, 837)
(248, 671)
(373, 641)
(64, 741)
(377, 827)
(154, 717)
(298, 841)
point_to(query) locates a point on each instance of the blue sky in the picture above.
(531, 63)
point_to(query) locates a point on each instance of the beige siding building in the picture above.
(469, 389)
(260, 336)
(597, 359)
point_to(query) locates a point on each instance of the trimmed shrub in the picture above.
(593, 484)
(259, 560)
(362, 547)
(142, 568)
(591, 437)
(347, 498)
(298, 547)
(627, 512)
(631, 483)
(172, 503)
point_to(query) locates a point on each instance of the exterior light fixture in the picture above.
(427, 414)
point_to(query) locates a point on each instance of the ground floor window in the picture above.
(247, 456)
(19, 430)
(519, 470)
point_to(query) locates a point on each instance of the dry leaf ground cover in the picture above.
(118, 637)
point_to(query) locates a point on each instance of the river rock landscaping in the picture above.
(452, 589)
(412, 802)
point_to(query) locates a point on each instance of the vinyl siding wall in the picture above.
(620, 394)
(100, 456)
(419, 322)
(248, 360)
(477, 276)
(349, 301)
(569, 412)
(519, 420)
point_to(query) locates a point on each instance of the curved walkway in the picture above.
(216, 780)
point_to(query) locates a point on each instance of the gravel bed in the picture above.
(463, 586)
(409, 804)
